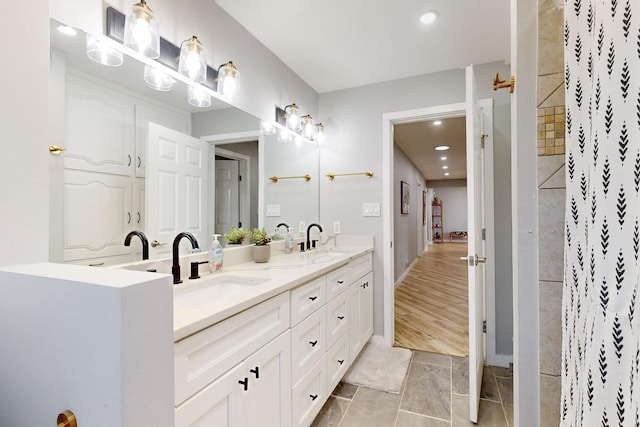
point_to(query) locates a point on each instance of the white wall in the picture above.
(24, 164)
(353, 143)
(405, 227)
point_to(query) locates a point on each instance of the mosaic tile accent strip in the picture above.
(551, 127)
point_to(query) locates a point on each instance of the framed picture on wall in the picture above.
(404, 201)
(424, 208)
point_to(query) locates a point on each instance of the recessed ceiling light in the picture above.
(429, 17)
(443, 158)
(446, 174)
(437, 122)
(67, 31)
(445, 167)
(441, 147)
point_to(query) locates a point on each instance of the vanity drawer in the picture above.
(203, 357)
(338, 281)
(361, 266)
(309, 395)
(337, 317)
(308, 343)
(308, 298)
(337, 362)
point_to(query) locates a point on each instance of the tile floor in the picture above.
(434, 394)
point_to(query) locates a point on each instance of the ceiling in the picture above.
(337, 44)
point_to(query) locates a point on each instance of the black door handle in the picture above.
(313, 298)
(245, 383)
(313, 343)
(256, 372)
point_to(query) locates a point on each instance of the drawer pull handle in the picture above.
(313, 298)
(256, 372)
(340, 282)
(129, 156)
(313, 396)
(341, 361)
(313, 343)
(341, 317)
(364, 285)
(139, 161)
(245, 383)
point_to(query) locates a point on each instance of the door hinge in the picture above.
(484, 234)
(484, 326)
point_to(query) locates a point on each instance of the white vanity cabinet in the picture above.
(238, 371)
(105, 136)
(360, 304)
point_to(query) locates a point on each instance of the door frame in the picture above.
(244, 190)
(417, 115)
(231, 138)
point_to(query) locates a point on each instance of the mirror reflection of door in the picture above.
(227, 195)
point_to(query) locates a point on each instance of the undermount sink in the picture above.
(320, 257)
(214, 288)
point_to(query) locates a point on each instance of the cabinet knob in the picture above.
(313, 343)
(256, 372)
(244, 383)
(313, 298)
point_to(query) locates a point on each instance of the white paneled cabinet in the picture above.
(105, 138)
(361, 312)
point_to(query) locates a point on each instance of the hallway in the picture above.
(431, 303)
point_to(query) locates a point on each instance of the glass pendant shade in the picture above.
(292, 116)
(228, 81)
(141, 31)
(307, 127)
(193, 60)
(157, 79)
(284, 136)
(198, 97)
(100, 52)
(319, 132)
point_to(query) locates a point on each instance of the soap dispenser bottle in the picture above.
(289, 244)
(215, 255)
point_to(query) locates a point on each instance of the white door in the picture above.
(176, 189)
(227, 201)
(475, 258)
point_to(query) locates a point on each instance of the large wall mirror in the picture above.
(142, 159)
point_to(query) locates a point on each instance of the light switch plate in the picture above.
(336, 227)
(302, 227)
(273, 210)
(371, 209)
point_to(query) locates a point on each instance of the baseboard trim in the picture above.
(401, 278)
(377, 339)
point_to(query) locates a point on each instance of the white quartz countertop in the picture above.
(216, 296)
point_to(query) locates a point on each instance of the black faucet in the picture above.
(175, 269)
(281, 225)
(143, 239)
(309, 231)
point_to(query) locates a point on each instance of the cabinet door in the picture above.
(366, 307)
(219, 404)
(360, 313)
(310, 394)
(355, 339)
(99, 132)
(145, 113)
(97, 214)
(267, 402)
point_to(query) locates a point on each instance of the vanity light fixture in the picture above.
(292, 116)
(157, 79)
(429, 17)
(141, 32)
(441, 147)
(307, 126)
(320, 133)
(193, 60)
(99, 51)
(228, 81)
(267, 128)
(198, 97)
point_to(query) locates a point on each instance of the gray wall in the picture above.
(353, 143)
(454, 209)
(405, 227)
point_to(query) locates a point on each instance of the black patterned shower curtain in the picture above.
(600, 319)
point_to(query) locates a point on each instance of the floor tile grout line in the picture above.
(403, 388)
(348, 406)
(504, 412)
(424, 416)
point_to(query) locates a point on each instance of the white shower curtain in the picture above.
(600, 318)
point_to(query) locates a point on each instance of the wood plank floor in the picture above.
(431, 303)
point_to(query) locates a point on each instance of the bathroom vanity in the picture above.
(272, 350)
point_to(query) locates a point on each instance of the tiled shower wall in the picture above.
(551, 199)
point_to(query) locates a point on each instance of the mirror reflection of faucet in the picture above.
(175, 268)
(143, 239)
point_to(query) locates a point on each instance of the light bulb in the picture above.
(99, 51)
(320, 132)
(307, 127)
(141, 32)
(157, 79)
(228, 81)
(267, 128)
(292, 116)
(198, 97)
(193, 60)
(284, 136)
